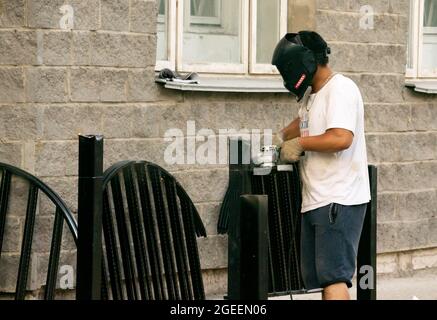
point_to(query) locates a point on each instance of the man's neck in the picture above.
(320, 78)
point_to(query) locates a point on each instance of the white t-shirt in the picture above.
(340, 177)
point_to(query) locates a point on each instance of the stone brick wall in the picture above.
(99, 78)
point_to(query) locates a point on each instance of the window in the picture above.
(422, 44)
(220, 36)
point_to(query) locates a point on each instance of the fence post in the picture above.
(254, 278)
(89, 246)
(366, 260)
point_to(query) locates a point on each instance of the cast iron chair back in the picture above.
(35, 186)
(149, 230)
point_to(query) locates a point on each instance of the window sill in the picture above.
(422, 85)
(228, 85)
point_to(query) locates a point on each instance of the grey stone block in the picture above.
(406, 177)
(81, 48)
(204, 185)
(67, 239)
(388, 118)
(66, 188)
(142, 86)
(423, 116)
(18, 47)
(337, 26)
(43, 234)
(144, 124)
(137, 149)
(209, 213)
(11, 153)
(401, 147)
(115, 15)
(138, 51)
(56, 158)
(412, 235)
(213, 252)
(11, 13)
(8, 270)
(57, 48)
(122, 50)
(387, 207)
(118, 121)
(113, 85)
(379, 58)
(20, 122)
(66, 122)
(95, 84)
(47, 14)
(58, 123)
(105, 49)
(46, 84)
(432, 225)
(143, 16)
(11, 85)
(13, 235)
(418, 205)
(18, 197)
(377, 88)
(85, 84)
(389, 6)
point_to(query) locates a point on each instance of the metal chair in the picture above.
(150, 226)
(9, 177)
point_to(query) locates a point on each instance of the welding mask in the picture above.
(297, 63)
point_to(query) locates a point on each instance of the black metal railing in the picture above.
(283, 189)
(35, 187)
(149, 249)
(150, 227)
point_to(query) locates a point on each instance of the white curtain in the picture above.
(430, 14)
(203, 8)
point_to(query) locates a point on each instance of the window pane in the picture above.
(204, 8)
(267, 29)
(212, 31)
(410, 63)
(162, 31)
(430, 18)
(429, 58)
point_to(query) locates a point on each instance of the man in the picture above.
(328, 138)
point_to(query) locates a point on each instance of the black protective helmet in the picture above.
(296, 56)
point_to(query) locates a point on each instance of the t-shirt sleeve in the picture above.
(342, 108)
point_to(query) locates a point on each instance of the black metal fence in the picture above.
(283, 189)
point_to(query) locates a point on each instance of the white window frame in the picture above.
(259, 68)
(170, 63)
(418, 30)
(248, 65)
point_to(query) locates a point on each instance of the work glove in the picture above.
(291, 150)
(278, 139)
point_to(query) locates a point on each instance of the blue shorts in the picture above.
(329, 244)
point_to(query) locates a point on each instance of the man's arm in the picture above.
(333, 140)
(292, 130)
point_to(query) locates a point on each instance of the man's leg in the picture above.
(307, 252)
(338, 230)
(338, 291)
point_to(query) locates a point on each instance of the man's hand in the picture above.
(291, 150)
(278, 139)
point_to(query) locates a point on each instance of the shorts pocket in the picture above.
(333, 213)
